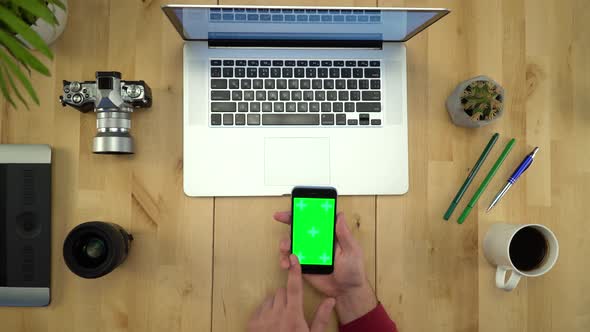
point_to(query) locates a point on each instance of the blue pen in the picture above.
(528, 160)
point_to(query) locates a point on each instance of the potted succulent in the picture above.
(26, 25)
(476, 102)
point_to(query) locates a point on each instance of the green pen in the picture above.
(471, 176)
(486, 181)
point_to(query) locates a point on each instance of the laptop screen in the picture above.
(300, 24)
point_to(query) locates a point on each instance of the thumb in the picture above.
(343, 234)
(322, 315)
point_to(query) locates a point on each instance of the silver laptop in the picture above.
(281, 96)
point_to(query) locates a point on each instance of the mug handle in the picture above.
(501, 278)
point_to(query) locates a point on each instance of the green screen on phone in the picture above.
(313, 230)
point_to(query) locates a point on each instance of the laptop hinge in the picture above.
(297, 43)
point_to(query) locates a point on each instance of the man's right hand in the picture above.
(348, 283)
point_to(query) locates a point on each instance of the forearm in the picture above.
(355, 303)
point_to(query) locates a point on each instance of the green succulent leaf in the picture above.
(39, 9)
(14, 88)
(21, 53)
(16, 24)
(20, 75)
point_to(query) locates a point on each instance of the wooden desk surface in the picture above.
(204, 264)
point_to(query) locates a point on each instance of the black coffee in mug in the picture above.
(528, 249)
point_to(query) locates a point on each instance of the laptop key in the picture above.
(375, 63)
(249, 95)
(258, 84)
(332, 95)
(302, 107)
(228, 62)
(242, 107)
(273, 95)
(302, 63)
(246, 84)
(220, 107)
(299, 72)
(215, 72)
(352, 122)
(320, 95)
(290, 119)
(255, 106)
(265, 63)
(267, 107)
(376, 122)
(236, 95)
(340, 119)
(252, 63)
(314, 107)
(263, 72)
(328, 84)
(368, 107)
(364, 119)
(372, 72)
(253, 119)
(293, 84)
(340, 84)
(275, 72)
(305, 84)
(219, 95)
(279, 106)
(228, 72)
(216, 119)
(351, 84)
(357, 73)
(339, 63)
(287, 72)
(349, 107)
(260, 95)
(363, 63)
(252, 72)
(326, 107)
(234, 84)
(309, 72)
(240, 72)
(314, 63)
(326, 63)
(277, 63)
(228, 119)
(290, 63)
(335, 72)
(215, 62)
(350, 63)
(291, 107)
(323, 72)
(219, 83)
(316, 84)
(285, 95)
(281, 84)
(363, 84)
(241, 63)
(240, 119)
(375, 84)
(345, 72)
(337, 107)
(355, 95)
(343, 95)
(327, 119)
(269, 83)
(371, 95)
(308, 95)
(296, 95)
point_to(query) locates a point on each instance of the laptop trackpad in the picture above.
(296, 161)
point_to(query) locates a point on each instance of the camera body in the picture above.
(113, 100)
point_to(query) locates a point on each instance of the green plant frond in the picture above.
(14, 87)
(38, 9)
(17, 25)
(22, 54)
(5, 91)
(19, 74)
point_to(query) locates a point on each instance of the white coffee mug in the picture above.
(496, 248)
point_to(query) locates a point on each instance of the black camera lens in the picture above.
(94, 249)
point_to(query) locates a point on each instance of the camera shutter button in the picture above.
(75, 86)
(77, 98)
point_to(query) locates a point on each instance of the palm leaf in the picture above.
(39, 9)
(5, 91)
(14, 88)
(20, 27)
(20, 75)
(21, 53)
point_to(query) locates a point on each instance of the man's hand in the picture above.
(348, 283)
(283, 312)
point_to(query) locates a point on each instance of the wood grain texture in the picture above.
(205, 264)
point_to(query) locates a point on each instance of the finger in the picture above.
(294, 285)
(344, 235)
(284, 262)
(284, 217)
(280, 299)
(267, 304)
(285, 245)
(322, 315)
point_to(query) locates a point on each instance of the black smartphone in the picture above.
(313, 228)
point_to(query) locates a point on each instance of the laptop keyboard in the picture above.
(284, 15)
(326, 93)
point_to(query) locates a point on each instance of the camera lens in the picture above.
(94, 249)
